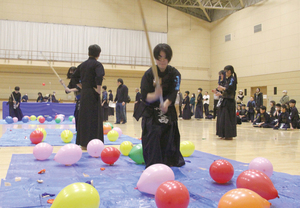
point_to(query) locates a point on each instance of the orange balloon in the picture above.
(106, 128)
(242, 198)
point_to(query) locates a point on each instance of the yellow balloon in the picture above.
(187, 148)
(112, 135)
(66, 136)
(126, 147)
(44, 133)
(77, 195)
(32, 118)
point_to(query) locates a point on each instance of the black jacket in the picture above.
(122, 94)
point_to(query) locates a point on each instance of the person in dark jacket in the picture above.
(283, 119)
(227, 123)
(160, 133)
(121, 100)
(104, 103)
(40, 98)
(199, 105)
(138, 99)
(258, 98)
(25, 98)
(14, 104)
(192, 103)
(90, 120)
(186, 111)
(111, 110)
(263, 118)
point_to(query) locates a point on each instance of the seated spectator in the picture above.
(40, 98)
(294, 115)
(283, 119)
(263, 119)
(238, 111)
(25, 98)
(272, 110)
(244, 113)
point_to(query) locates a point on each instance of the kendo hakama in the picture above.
(227, 113)
(105, 106)
(14, 110)
(199, 107)
(90, 119)
(186, 113)
(160, 134)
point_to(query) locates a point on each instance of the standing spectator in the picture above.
(192, 102)
(186, 112)
(206, 103)
(227, 128)
(121, 99)
(199, 106)
(40, 98)
(25, 98)
(180, 104)
(216, 100)
(294, 115)
(111, 111)
(138, 98)
(285, 98)
(240, 97)
(104, 103)
(258, 98)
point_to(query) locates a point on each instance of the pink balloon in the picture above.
(68, 154)
(263, 165)
(95, 147)
(118, 130)
(15, 119)
(153, 176)
(73, 120)
(42, 151)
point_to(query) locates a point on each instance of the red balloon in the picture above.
(36, 136)
(221, 171)
(43, 84)
(106, 128)
(41, 119)
(55, 117)
(258, 182)
(110, 155)
(172, 194)
(237, 113)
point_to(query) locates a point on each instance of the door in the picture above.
(264, 91)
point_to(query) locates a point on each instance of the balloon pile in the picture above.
(41, 119)
(15, 119)
(187, 148)
(77, 195)
(263, 165)
(49, 119)
(95, 147)
(33, 118)
(42, 151)
(136, 154)
(118, 130)
(66, 136)
(25, 119)
(36, 136)
(110, 155)
(221, 171)
(68, 154)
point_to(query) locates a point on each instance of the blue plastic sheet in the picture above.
(65, 122)
(21, 137)
(44, 109)
(116, 184)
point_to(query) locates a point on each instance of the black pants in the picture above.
(161, 143)
(215, 107)
(180, 111)
(206, 109)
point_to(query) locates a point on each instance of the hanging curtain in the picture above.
(24, 40)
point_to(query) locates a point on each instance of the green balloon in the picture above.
(57, 120)
(109, 124)
(77, 195)
(71, 118)
(136, 154)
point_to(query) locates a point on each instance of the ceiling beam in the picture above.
(203, 9)
(207, 7)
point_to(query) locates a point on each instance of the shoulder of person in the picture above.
(173, 70)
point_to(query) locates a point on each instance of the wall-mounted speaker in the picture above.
(275, 90)
(245, 92)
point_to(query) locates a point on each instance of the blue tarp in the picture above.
(21, 137)
(44, 109)
(116, 184)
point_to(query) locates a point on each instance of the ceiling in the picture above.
(208, 10)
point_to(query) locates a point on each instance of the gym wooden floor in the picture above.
(282, 148)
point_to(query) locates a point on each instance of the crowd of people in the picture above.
(283, 115)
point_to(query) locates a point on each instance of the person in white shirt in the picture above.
(206, 103)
